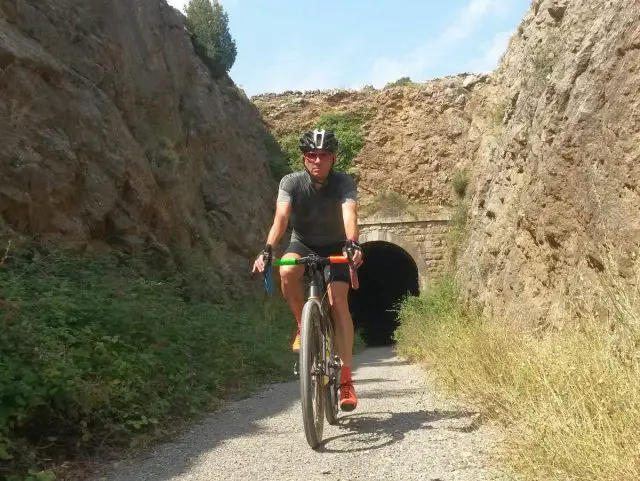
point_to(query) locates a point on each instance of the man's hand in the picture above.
(354, 252)
(263, 259)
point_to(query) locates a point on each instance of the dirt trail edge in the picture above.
(400, 430)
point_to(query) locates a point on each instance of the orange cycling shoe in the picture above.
(348, 399)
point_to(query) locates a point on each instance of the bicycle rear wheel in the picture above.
(311, 382)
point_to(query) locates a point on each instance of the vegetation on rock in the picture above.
(209, 26)
(348, 127)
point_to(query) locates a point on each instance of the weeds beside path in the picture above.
(568, 400)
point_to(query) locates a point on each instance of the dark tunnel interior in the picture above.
(387, 275)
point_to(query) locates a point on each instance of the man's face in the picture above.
(319, 163)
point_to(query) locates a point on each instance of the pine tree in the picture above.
(209, 26)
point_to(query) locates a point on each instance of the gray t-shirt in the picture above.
(317, 214)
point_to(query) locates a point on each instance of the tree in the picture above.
(209, 26)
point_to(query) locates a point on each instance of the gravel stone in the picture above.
(401, 430)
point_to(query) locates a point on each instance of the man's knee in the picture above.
(291, 274)
(339, 295)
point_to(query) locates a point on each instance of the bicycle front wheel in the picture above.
(311, 376)
(331, 388)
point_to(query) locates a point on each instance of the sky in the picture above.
(303, 45)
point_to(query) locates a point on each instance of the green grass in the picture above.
(568, 400)
(107, 351)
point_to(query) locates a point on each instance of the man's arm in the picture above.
(350, 217)
(280, 222)
(279, 226)
(350, 208)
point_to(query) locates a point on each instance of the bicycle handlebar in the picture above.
(353, 274)
(306, 260)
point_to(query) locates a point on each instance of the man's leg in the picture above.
(339, 300)
(293, 291)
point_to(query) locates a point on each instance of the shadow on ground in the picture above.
(376, 430)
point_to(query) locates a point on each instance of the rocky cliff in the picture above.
(556, 186)
(114, 134)
(416, 137)
(550, 140)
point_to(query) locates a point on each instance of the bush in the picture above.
(497, 112)
(401, 82)
(101, 351)
(290, 145)
(278, 159)
(165, 162)
(209, 27)
(348, 128)
(461, 182)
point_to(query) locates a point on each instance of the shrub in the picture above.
(278, 159)
(209, 27)
(165, 162)
(348, 128)
(290, 147)
(105, 349)
(461, 182)
(401, 82)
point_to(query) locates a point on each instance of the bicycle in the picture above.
(319, 363)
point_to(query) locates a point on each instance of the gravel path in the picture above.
(400, 431)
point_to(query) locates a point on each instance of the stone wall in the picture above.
(424, 240)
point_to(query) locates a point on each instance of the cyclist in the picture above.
(323, 207)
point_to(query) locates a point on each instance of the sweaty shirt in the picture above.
(316, 215)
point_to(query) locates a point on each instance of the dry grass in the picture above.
(386, 203)
(568, 400)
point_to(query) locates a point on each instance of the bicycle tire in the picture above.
(331, 392)
(311, 385)
(331, 404)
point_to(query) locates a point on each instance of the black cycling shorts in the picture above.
(338, 272)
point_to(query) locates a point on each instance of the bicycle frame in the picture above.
(320, 363)
(316, 285)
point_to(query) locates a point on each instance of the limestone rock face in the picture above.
(416, 137)
(556, 186)
(114, 134)
(551, 140)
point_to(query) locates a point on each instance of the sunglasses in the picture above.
(323, 155)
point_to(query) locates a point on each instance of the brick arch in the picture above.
(376, 234)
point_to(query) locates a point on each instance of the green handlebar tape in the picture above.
(285, 262)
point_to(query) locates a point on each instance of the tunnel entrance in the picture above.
(387, 275)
